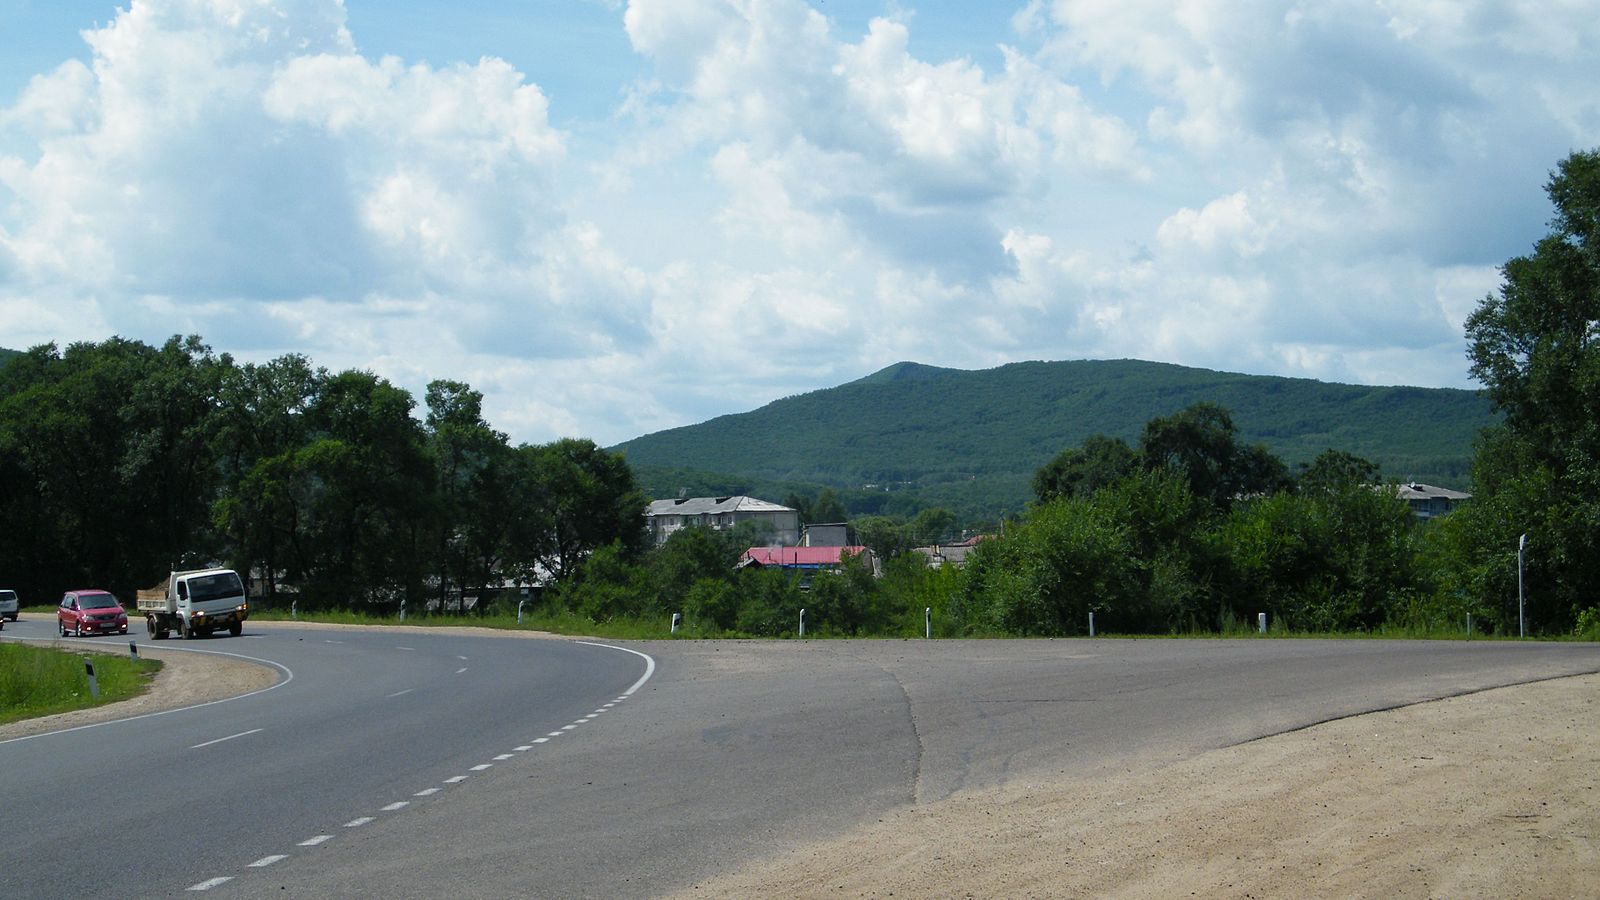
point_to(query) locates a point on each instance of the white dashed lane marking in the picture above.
(312, 842)
(481, 766)
(523, 748)
(397, 805)
(399, 693)
(426, 792)
(460, 670)
(503, 757)
(357, 823)
(265, 861)
(210, 883)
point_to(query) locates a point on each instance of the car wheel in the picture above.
(61, 627)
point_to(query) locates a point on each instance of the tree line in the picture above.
(120, 460)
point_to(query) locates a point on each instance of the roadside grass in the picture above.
(41, 681)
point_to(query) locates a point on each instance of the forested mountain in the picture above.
(971, 440)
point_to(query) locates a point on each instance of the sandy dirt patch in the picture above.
(185, 679)
(1487, 795)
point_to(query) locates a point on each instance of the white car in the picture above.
(8, 604)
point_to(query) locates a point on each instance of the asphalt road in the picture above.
(732, 750)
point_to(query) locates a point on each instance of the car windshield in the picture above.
(7, 596)
(96, 601)
(214, 587)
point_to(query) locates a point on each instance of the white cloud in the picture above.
(1308, 189)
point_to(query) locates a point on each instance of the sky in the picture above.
(617, 217)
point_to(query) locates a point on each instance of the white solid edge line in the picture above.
(265, 861)
(210, 883)
(316, 840)
(228, 738)
(288, 676)
(649, 664)
(400, 693)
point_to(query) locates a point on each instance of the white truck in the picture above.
(195, 603)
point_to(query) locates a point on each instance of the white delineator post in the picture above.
(1091, 624)
(94, 686)
(520, 604)
(927, 622)
(676, 618)
(402, 609)
(1522, 628)
(1261, 622)
(802, 621)
(133, 649)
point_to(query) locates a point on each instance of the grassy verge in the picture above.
(40, 681)
(561, 622)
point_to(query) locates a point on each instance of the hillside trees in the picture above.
(1535, 346)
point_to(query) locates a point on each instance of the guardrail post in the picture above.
(94, 686)
(1261, 622)
(802, 621)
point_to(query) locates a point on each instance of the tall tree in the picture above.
(1535, 347)
(1078, 472)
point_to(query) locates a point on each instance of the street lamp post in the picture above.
(1522, 628)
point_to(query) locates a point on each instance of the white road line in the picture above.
(265, 861)
(556, 734)
(460, 657)
(481, 766)
(608, 706)
(586, 718)
(523, 748)
(649, 665)
(503, 757)
(455, 779)
(460, 670)
(404, 648)
(312, 842)
(326, 641)
(540, 740)
(357, 823)
(210, 883)
(570, 727)
(228, 738)
(619, 699)
(426, 792)
(399, 693)
(397, 805)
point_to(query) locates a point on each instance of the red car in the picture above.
(91, 612)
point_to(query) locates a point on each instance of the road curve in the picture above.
(730, 752)
(365, 725)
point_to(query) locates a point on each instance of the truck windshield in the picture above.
(214, 587)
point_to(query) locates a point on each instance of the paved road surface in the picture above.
(732, 750)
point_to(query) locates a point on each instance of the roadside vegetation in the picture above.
(40, 681)
(119, 459)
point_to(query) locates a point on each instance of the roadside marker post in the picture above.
(802, 621)
(1261, 622)
(927, 621)
(520, 604)
(1091, 624)
(133, 649)
(676, 618)
(402, 609)
(294, 609)
(94, 686)
(1469, 624)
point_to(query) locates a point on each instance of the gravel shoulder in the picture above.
(185, 679)
(1494, 794)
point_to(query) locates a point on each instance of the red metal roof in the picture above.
(800, 556)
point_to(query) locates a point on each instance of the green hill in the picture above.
(972, 440)
(5, 355)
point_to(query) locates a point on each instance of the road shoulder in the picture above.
(1489, 794)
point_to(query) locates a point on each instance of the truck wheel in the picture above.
(236, 628)
(150, 626)
(187, 630)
